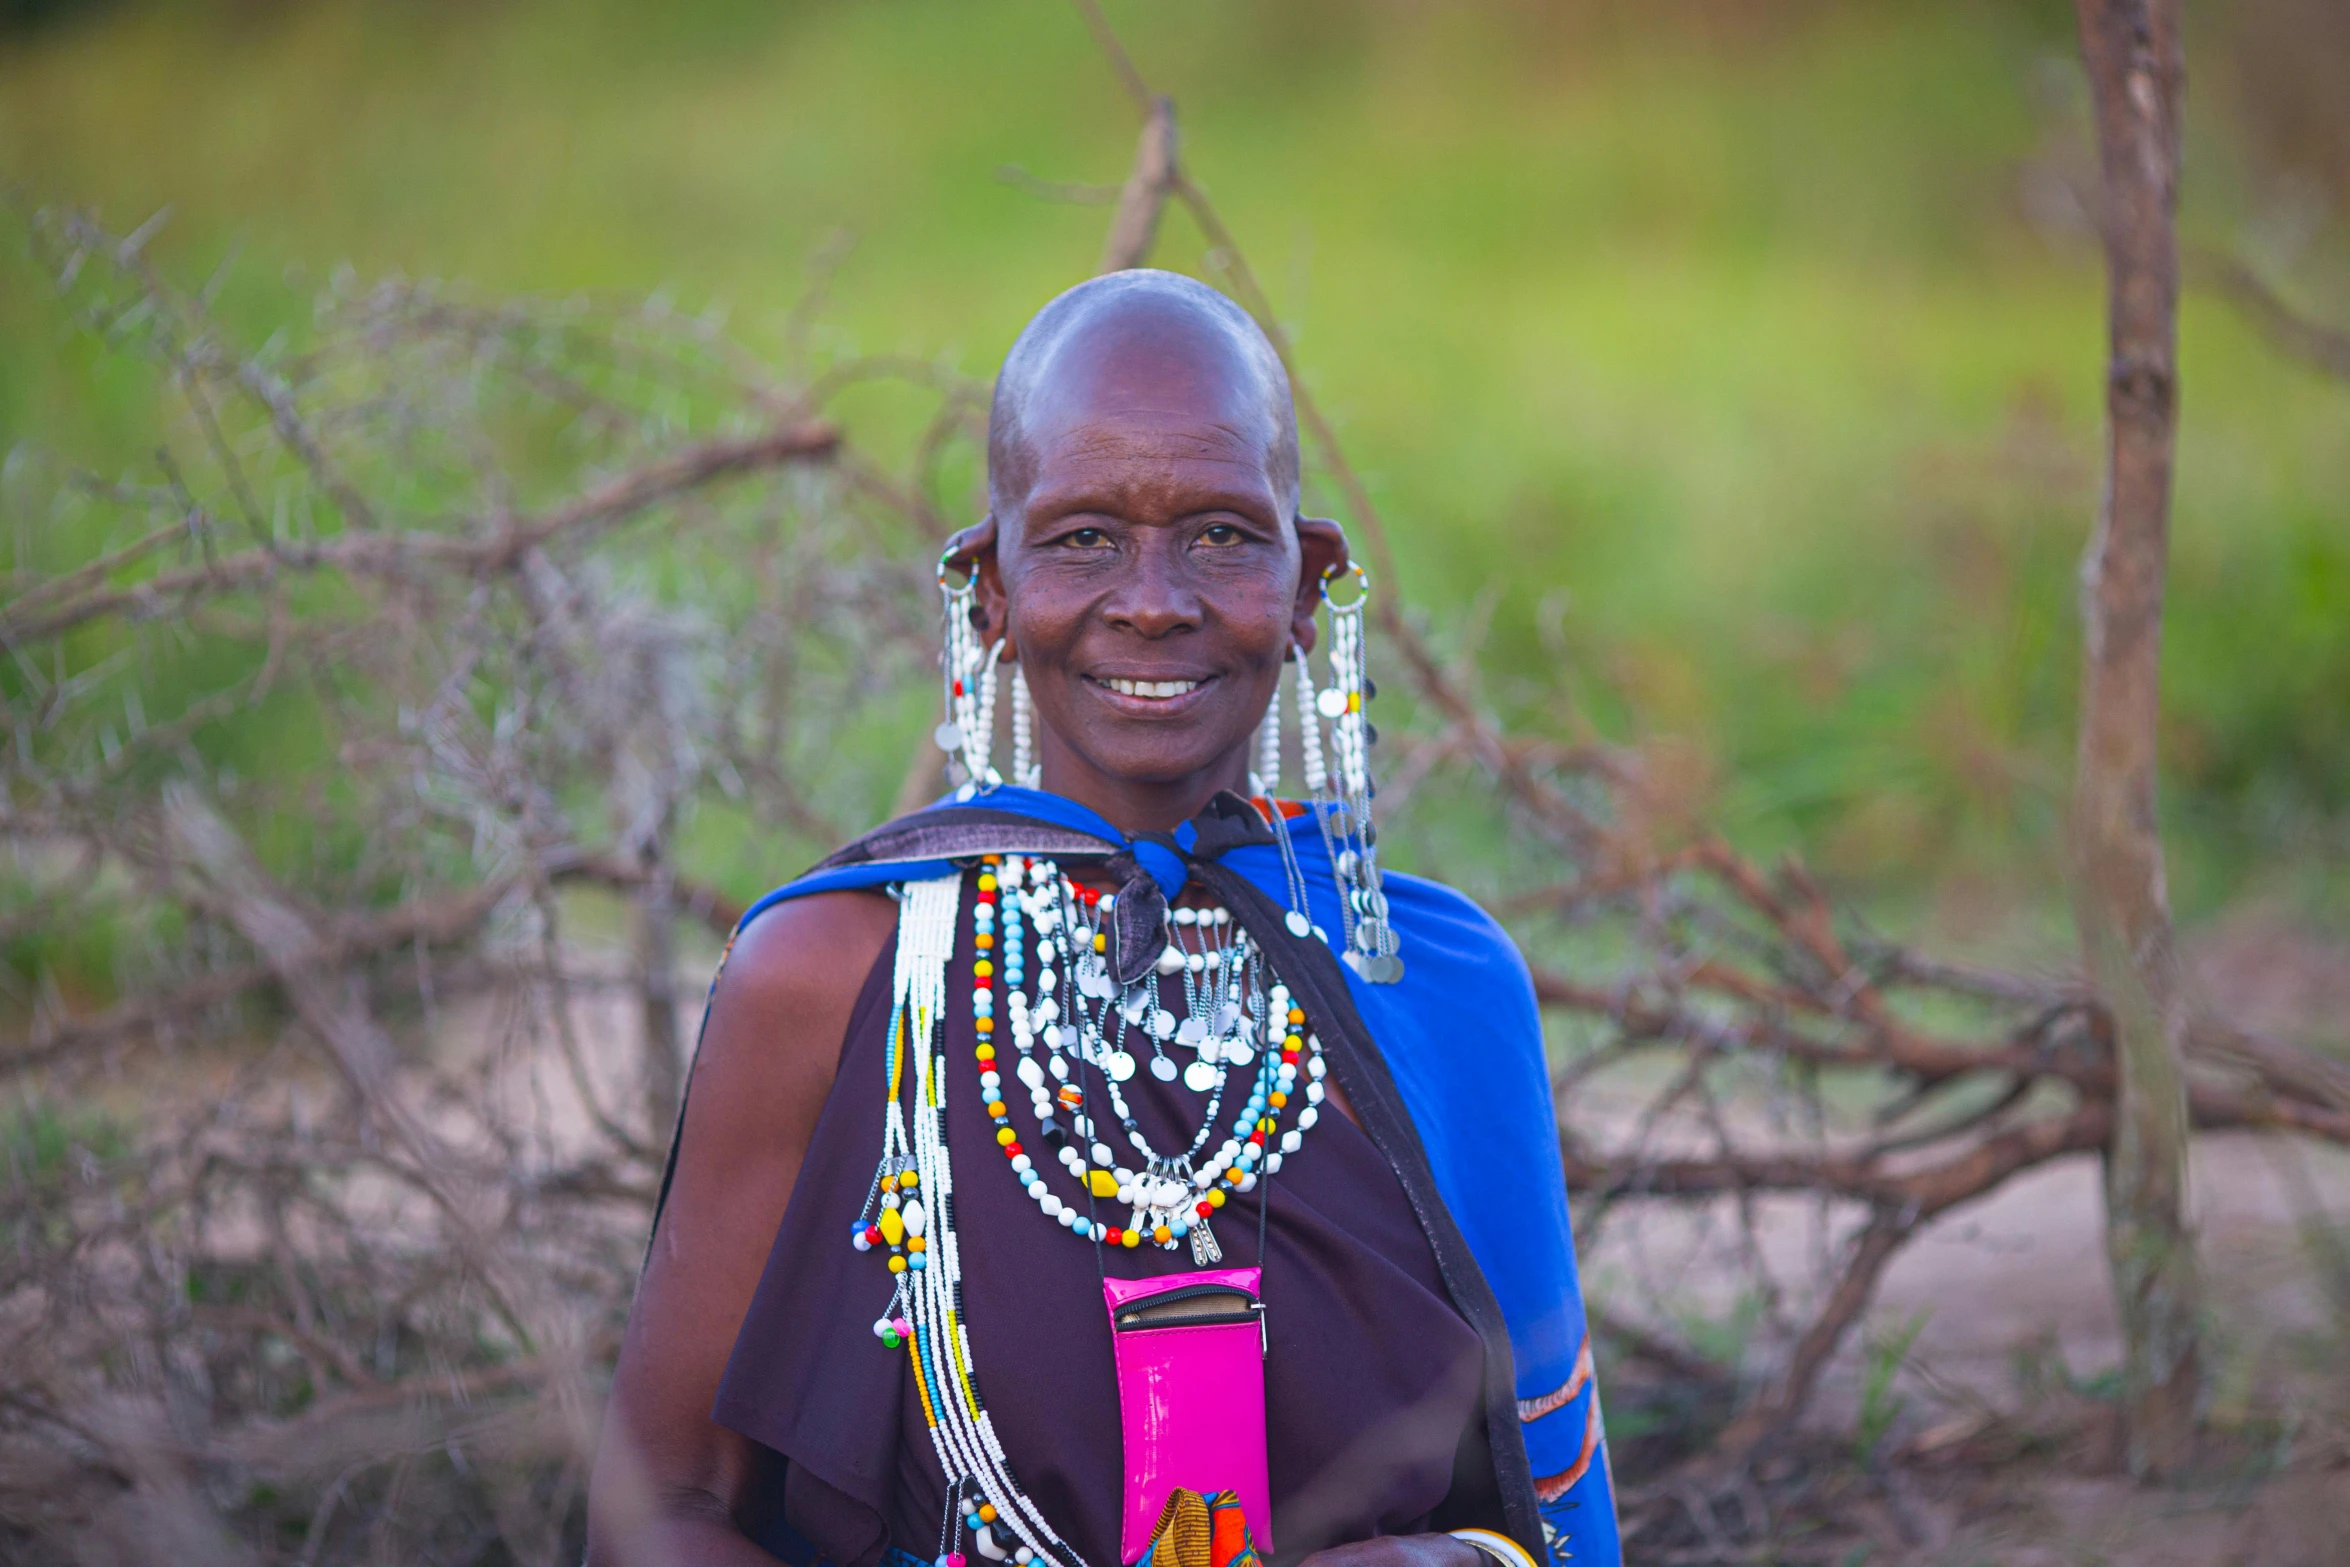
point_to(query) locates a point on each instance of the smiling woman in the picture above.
(985, 1339)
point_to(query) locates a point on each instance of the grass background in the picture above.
(1741, 361)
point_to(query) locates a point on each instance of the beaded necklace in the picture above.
(909, 1210)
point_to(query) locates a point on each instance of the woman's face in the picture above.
(1149, 575)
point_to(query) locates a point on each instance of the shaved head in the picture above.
(1139, 337)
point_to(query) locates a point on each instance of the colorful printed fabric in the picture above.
(1201, 1531)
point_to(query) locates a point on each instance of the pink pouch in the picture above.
(1191, 1395)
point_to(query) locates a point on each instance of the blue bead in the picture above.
(1081, 1227)
(917, 1262)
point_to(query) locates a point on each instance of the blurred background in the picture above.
(1750, 348)
(1729, 376)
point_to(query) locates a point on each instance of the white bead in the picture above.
(1315, 1093)
(1059, 1068)
(1066, 1215)
(1125, 1195)
(1170, 960)
(1187, 916)
(1291, 1141)
(1307, 1117)
(1028, 1071)
(889, 1199)
(1316, 1066)
(1103, 1157)
(1052, 1206)
(1195, 963)
(1022, 1164)
(1273, 1165)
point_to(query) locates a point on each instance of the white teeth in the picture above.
(1161, 689)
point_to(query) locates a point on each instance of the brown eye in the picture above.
(1220, 533)
(1087, 539)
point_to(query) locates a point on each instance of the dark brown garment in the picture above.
(1372, 1380)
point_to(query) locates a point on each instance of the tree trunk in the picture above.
(2132, 49)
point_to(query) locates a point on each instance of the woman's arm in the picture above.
(668, 1481)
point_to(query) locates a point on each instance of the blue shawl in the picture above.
(1461, 1037)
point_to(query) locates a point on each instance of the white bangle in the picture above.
(1505, 1551)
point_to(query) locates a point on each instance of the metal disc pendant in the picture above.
(1199, 1077)
(1238, 1053)
(1377, 967)
(1299, 925)
(1097, 986)
(947, 736)
(1163, 1024)
(1162, 1069)
(1191, 1031)
(1118, 1065)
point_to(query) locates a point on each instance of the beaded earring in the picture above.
(1026, 772)
(967, 671)
(1265, 779)
(1348, 830)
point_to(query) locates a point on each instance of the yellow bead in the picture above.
(1003, 1135)
(909, 1180)
(1101, 943)
(1217, 1196)
(986, 883)
(1103, 1183)
(983, 968)
(1130, 1238)
(893, 1227)
(897, 1264)
(985, 1052)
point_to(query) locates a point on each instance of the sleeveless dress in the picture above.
(1374, 1424)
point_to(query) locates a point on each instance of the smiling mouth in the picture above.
(1149, 690)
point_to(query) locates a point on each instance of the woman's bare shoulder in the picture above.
(809, 950)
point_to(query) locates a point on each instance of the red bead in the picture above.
(1012, 1149)
(1204, 1208)
(1113, 1235)
(958, 688)
(873, 1233)
(1258, 1138)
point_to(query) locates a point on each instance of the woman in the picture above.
(1003, 1093)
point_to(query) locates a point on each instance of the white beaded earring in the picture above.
(967, 673)
(1026, 772)
(1265, 780)
(1348, 830)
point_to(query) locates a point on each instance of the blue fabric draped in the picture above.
(1462, 1037)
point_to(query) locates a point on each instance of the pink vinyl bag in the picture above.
(1191, 1395)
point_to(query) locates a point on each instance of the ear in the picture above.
(1322, 554)
(974, 550)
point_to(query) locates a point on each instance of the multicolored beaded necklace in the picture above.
(1083, 1019)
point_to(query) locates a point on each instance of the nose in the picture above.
(1155, 596)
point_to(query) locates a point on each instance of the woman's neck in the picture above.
(1137, 805)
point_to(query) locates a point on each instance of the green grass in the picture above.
(1734, 354)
